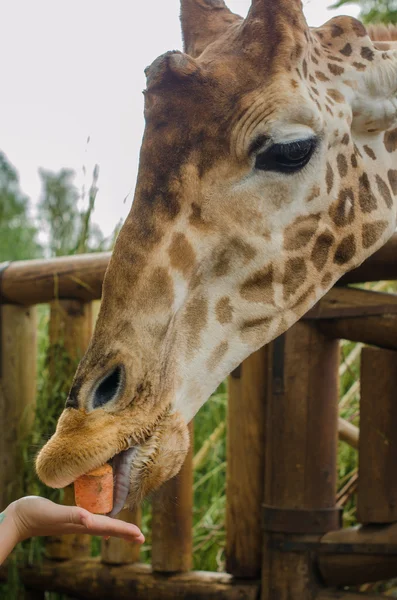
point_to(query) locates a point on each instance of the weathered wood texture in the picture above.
(172, 520)
(17, 394)
(341, 595)
(301, 447)
(120, 552)
(80, 277)
(37, 281)
(379, 331)
(343, 302)
(89, 579)
(369, 554)
(245, 465)
(377, 486)
(70, 330)
(358, 315)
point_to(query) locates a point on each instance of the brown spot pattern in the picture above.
(345, 250)
(347, 50)
(259, 287)
(195, 218)
(392, 176)
(329, 178)
(367, 53)
(346, 138)
(225, 257)
(315, 192)
(390, 140)
(195, 318)
(336, 95)
(181, 253)
(365, 196)
(354, 161)
(336, 69)
(372, 232)
(384, 191)
(370, 152)
(157, 291)
(217, 355)
(254, 324)
(342, 165)
(224, 311)
(322, 249)
(342, 211)
(300, 232)
(326, 280)
(321, 76)
(294, 276)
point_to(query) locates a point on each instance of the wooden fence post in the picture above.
(18, 354)
(245, 465)
(70, 331)
(172, 536)
(120, 552)
(377, 482)
(301, 449)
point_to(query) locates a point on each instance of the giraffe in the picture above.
(267, 170)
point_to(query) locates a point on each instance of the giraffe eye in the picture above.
(286, 158)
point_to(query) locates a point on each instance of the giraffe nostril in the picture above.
(109, 388)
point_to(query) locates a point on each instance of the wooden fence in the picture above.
(284, 536)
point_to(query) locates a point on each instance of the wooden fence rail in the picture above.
(284, 539)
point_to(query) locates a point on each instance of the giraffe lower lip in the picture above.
(122, 465)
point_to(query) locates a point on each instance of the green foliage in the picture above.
(374, 11)
(18, 235)
(69, 227)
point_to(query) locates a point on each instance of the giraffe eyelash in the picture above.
(287, 158)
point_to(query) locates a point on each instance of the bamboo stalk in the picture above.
(348, 433)
(206, 448)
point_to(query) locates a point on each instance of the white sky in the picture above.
(73, 69)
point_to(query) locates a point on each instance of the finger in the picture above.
(105, 526)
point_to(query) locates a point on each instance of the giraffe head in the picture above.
(267, 170)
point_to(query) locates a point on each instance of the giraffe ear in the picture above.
(375, 100)
(203, 21)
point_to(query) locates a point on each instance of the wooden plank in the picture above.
(301, 448)
(342, 595)
(172, 520)
(378, 331)
(70, 330)
(18, 354)
(377, 487)
(344, 302)
(38, 281)
(90, 579)
(362, 554)
(245, 466)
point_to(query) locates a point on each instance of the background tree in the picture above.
(18, 234)
(374, 11)
(68, 224)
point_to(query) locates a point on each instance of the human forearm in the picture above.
(8, 533)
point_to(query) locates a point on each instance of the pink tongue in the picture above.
(122, 464)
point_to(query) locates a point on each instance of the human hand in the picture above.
(35, 516)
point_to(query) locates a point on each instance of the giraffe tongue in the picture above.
(122, 464)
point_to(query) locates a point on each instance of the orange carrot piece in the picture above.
(94, 491)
